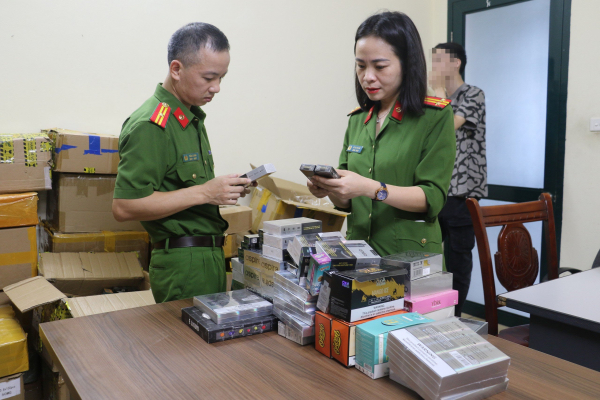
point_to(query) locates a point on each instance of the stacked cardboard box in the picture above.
(13, 355)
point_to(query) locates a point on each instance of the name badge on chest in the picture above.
(191, 157)
(354, 149)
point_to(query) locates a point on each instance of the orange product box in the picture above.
(18, 209)
(323, 332)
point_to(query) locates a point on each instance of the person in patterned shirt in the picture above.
(469, 178)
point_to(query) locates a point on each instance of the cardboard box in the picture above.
(18, 254)
(276, 198)
(13, 344)
(238, 217)
(97, 242)
(33, 390)
(25, 161)
(81, 152)
(100, 304)
(230, 248)
(85, 274)
(54, 387)
(83, 203)
(18, 210)
(12, 387)
(323, 323)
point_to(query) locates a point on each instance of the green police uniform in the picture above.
(409, 151)
(164, 147)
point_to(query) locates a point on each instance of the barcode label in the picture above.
(418, 273)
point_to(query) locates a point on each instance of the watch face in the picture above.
(382, 195)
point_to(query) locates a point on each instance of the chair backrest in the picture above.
(517, 263)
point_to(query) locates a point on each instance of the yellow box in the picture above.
(13, 344)
(18, 210)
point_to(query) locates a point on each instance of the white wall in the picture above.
(581, 216)
(88, 65)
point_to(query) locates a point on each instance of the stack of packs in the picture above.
(446, 360)
(295, 307)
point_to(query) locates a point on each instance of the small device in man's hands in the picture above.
(326, 171)
(308, 170)
(259, 172)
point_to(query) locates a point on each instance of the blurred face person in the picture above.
(378, 70)
(443, 64)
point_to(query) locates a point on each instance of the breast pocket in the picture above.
(191, 173)
(413, 235)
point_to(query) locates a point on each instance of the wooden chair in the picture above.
(517, 263)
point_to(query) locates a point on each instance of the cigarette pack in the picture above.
(259, 172)
(292, 226)
(274, 252)
(319, 263)
(233, 306)
(250, 242)
(365, 255)
(433, 302)
(341, 257)
(279, 242)
(428, 285)
(326, 171)
(363, 293)
(301, 248)
(212, 332)
(308, 169)
(283, 305)
(291, 283)
(300, 305)
(331, 236)
(418, 263)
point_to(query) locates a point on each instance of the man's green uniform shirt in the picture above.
(408, 151)
(166, 159)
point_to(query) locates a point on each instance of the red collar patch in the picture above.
(397, 113)
(369, 115)
(181, 118)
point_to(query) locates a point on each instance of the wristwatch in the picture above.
(382, 193)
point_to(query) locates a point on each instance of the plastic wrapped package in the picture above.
(13, 344)
(18, 210)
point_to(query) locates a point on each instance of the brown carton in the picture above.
(25, 161)
(18, 209)
(239, 218)
(18, 254)
(85, 274)
(12, 388)
(276, 198)
(13, 344)
(97, 242)
(81, 152)
(83, 203)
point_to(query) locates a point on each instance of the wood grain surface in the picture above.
(149, 353)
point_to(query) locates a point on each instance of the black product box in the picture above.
(241, 254)
(211, 332)
(251, 242)
(363, 293)
(341, 257)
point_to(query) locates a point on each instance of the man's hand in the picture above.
(437, 81)
(316, 191)
(349, 186)
(223, 190)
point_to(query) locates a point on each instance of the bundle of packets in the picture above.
(446, 360)
(295, 307)
(426, 287)
(229, 315)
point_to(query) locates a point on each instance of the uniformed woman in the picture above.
(399, 148)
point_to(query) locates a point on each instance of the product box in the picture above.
(25, 161)
(18, 209)
(294, 334)
(299, 304)
(269, 266)
(238, 217)
(18, 254)
(252, 278)
(319, 263)
(276, 199)
(363, 293)
(260, 172)
(433, 302)
(307, 318)
(341, 257)
(428, 285)
(323, 323)
(83, 203)
(82, 152)
(371, 342)
(12, 387)
(440, 314)
(289, 281)
(295, 331)
(479, 327)
(85, 274)
(337, 236)
(279, 242)
(418, 263)
(97, 242)
(343, 346)
(293, 226)
(237, 270)
(252, 258)
(275, 253)
(267, 285)
(301, 248)
(365, 255)
(13, 344)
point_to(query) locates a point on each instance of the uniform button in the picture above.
(373, 146)
(423, 241)
(204, 162)
(368, 237)
(194, 176)
(369, 216)
(369, 170)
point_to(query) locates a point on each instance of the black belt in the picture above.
(192, 241)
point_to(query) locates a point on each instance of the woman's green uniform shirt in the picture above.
(409, 151)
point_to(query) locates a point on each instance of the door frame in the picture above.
(556, 105)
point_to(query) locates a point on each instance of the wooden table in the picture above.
(564, 316)
(148, 353)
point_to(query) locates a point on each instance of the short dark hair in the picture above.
(456, 51)
(398, 30)
(187, 40)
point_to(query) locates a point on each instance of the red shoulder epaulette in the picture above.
(161, 114)
(436, 102)
(356, 110)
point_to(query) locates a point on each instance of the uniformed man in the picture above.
(399, 147)
(166, 174)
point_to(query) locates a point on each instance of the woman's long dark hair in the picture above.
(401, 33)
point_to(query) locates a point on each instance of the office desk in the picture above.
(148, 353)
(564, 316)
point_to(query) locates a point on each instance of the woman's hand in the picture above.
(349, 186)
(316, 191)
